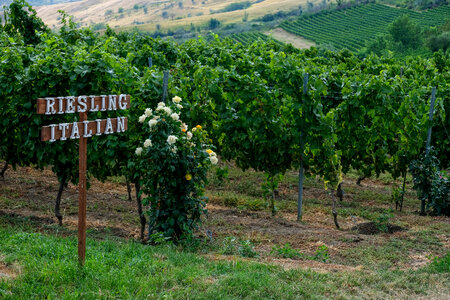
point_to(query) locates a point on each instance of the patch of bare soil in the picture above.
(286, 37)
(266, 231)
(372, 228)
(288, 264)
(29, 193)
(6, 272)
(317, 266)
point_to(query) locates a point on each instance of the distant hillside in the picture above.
(152, 15)
(351, 28)
(38, 2)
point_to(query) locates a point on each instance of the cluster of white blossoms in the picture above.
(212, 157)
(162, 107)
(161, 110)
(147, 143)
(171, 139)
(148, 113)
(152, 122)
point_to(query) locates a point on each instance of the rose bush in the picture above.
(173, 163)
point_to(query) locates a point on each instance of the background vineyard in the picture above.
(353, 27)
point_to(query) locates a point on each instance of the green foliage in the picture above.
(439, 42)
(21, 18)
(173, 162)
(158, 238)
(233, 246)
(213, 23)
(404, 31)
(322, 253)
(432, 186)
(382, 221)
(269, 187)
(246, 249)
(285, 251)
(221, 174)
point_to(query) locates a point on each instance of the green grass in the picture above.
(352, 28)
(46, 267)
(392, 251)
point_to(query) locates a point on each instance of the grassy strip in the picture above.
(46, 267)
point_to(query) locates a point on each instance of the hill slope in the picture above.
(147, 14)
(351, 28)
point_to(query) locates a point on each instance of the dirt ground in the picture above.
(30, 194)
(289, 38)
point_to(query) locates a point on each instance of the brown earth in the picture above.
(29, 194)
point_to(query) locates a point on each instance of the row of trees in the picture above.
(260, 108)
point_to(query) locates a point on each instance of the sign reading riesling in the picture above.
(82, 104)
(81, 131)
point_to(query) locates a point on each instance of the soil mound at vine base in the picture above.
(372, 228)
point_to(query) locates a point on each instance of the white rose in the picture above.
(174, 149)
(167, 110)
(161, 104)
(184, 126)
(175, 116)
(189, 135)
(138, 150)
(194, 129)
(152, 122)
(176, 99)
(159, 108)
(171, 139)
(180, 106)
(212, 154)
(147, 143)
(214, 160)
(142, 118)
(148, 112)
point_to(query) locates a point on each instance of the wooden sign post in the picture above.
(82, 130)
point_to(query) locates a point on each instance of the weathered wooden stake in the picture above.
(301, 171)
(82, 195)
(150, 62)
(433, 99)
(427, 149)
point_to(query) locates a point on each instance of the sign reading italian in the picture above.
(82, 104)
(82, 130)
